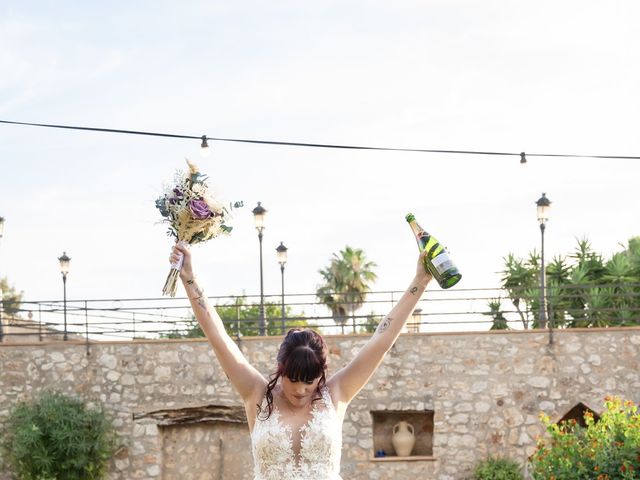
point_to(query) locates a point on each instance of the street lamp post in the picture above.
(258, 216)
(64, 269)
(1, 293)
(544, 205)
(282, 259)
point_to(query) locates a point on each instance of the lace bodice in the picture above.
(320, 445)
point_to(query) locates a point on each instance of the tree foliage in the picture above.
(345, 283)
(11, 298)
(583, 289)
(499, 320)
(497, 469)
(607, 449)
(243, 319)
(58, 437)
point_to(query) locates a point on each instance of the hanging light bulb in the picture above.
(523, 158)
(205, 151)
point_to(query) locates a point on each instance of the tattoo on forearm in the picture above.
(199, 294)
(384, 324)
(202, 302)
(200, 298)
(413, 290)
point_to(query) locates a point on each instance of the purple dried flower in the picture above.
(177, 196)
(199, 209)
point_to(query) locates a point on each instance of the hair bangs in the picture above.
(303, 365)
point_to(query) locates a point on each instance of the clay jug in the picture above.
(403, 438)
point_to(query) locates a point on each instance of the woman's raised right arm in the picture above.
(247, 381)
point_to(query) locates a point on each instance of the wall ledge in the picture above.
(412, 458)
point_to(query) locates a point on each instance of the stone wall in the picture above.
(177, 415)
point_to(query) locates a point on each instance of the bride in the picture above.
(295, 417)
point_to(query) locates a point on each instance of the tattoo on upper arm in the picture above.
(413, 290)
(190, 281)
(384, 324)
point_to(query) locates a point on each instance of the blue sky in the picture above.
(558, 77)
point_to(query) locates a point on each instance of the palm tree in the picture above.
(346, 281)
(558, 296)
(591, 262)
(520, 280)
(499, 320)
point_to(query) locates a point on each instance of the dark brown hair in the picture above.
(302, 357)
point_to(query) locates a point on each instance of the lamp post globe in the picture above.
(543, 207)
(282, 254)
(259, 213)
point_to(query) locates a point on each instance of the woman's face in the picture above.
(297, 392)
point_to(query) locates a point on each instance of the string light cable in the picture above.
(204, 139)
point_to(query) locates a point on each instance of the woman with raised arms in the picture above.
(295, 416)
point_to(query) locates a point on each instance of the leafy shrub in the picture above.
(56, 437)
(605, 450)
(497, 469)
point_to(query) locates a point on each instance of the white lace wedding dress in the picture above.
(320, 445)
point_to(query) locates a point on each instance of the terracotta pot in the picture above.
(403, 438)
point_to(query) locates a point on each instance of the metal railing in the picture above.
(437, 311)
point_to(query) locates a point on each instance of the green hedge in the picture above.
(55, 437)
(497, 469)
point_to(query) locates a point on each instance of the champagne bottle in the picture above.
(437, 260)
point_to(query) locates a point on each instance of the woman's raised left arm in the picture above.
(348, 381)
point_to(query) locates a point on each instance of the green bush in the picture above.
(608, 449)
(497, 469)
(56, 437)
